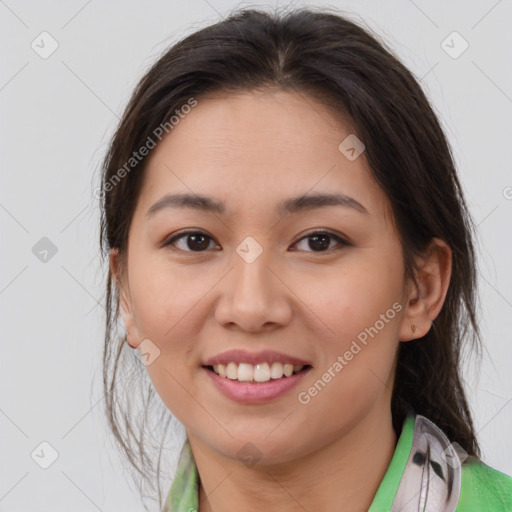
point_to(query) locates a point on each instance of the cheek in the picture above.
(172, 381)
(362, 291)
(359, 307)
(165, 298)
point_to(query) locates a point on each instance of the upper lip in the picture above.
(243, 356)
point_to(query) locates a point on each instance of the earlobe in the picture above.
(132, 337)
(426, 298)
(416, 321)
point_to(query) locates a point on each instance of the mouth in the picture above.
(258, 388)
(259, 373)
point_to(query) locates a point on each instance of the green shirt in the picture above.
(483, 489)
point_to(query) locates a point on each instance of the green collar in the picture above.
(184, 492)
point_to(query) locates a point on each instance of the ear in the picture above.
(120, 278)
(424, 301)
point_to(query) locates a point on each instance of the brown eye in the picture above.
(319, 241)
(195, 241)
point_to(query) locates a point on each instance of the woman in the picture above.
(292, 257)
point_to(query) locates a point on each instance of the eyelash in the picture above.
(342, 243)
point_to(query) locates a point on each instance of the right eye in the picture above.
(196, 241)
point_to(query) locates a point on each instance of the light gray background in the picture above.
(56, 117)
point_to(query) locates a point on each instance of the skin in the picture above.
(252, 150)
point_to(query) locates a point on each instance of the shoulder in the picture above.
(484, 488)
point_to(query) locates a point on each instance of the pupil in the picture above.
(321, 245)
(195, 245)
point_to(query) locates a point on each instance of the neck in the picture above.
(348, 470)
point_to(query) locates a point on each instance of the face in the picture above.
(320, 283)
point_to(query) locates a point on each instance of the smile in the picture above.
(261, 372)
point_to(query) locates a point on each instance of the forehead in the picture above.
(258, 147)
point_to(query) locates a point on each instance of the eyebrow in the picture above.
(291, 205)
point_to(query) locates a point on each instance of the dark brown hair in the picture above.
(320, 53)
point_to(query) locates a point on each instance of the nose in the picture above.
(254, 296)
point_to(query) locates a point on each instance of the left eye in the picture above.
(196, 241)
(320, 240)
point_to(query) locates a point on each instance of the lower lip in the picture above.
(255, 392)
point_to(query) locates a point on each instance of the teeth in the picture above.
(231, 371)
(261, 372)
(245, 372)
